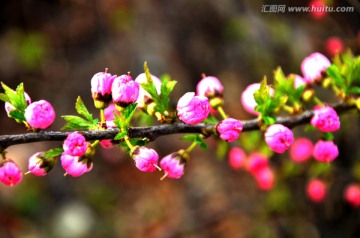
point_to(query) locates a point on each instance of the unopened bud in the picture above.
(308, 94)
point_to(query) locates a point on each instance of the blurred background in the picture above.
(56, 46)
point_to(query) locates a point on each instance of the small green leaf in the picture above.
(167, 86)
(149, 85)
(129, 112)
(15, 98)
(76, 123)
(328, 136)
(120, 135)
(269, 120)
(355, 90)
(82, 110)
(4, 98)
(53, 153)
(333, 72)
(17, 115)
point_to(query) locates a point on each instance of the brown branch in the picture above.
(153, 132)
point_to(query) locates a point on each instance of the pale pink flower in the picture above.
(144, 96)
(229, 129)
(172, 166)
(193, 109)
(75, 165)
(313, 66)
(125, 90)
(237, 158)
(334, 45)
(256, 162)
(146, 159)
(325, 119)
(248, 100)
(209, 86)
(325, 151)
(101, 86)
(40, 114)
(298, 80)
(10, 174)
(352, 195)
(265, 178)
(279, 138)
(9, 107)
(75, 144)
(316, 190)
(301, 150)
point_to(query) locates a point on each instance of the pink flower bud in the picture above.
(265, 178)
(237, 158)
(313, 66)
(301, 150)
(10, 174)
(209, 87)
(172, 166)
(101, 86)
(279, 138)
(316, 190)
(256, 162)
(146, 159)
(109, 115)
(193, 109)
(229, 129)
(75, 144)
(9, 107)
(334, 45)
(317, 9)
(325, 151)
(106, 144)
(248, 100)
(352, 195)
(144, 96)
(325, 119)
(125, 90)
(39, 166)
(75, 165)
(40, 114)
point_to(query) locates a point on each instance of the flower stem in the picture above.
(318, 101)
(95, 143)
(222, 112)
(191, 147)
(102, 117)
(126, 138)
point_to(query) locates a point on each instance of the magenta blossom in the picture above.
(209, 87)
(301, 150)
(10, 174)
(109, 115)
(237, 157)
(144, 96)
(101, 86)
(9, 107)
(325, 119)
(146, 159)
(193, 109)
(39, 166)
(256, 162)
(352, 195)
(265, 178)
(75, 165)
(316, 190)
(279, 138)
(313, 66)
(172, 166)
(325, 151)
(40, 114)
(248, 100)
(75, 144)
(229, 129)
(125, 90)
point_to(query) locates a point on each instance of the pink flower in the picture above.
(101, 86)
(144, 96)
(209, 87)
(193, 109)
(75, 165)
(325, 151)
(145, 159)
(39, 166)
(265, 178)
(334, 45)
(325, 119)
(106, 144)
(352, 195)
(9, 107)
(10, 174)
(317, 8)
(109, 115)
(316, 190)
(256, 162)
(313, 66)
(301, 150)
(237, 157)
(75, 144)
(125, 90)
(40, 114)
(279, 138)
(172, 166)
(248, 100)
(229, 129)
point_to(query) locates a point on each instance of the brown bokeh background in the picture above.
(56, 46)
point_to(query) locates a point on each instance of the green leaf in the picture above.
(53, 153)
(76, 123)
(4, 98)
(82, 110)
(197, 138)
(17, 115)
(149, 86)
(15, 98)
(120, 135)
(328, 136)
(355, 90)
(167, 86)
(269, 120)
(334, 73)
(129, 112)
